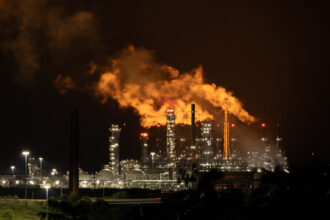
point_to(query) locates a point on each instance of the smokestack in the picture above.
(193, 135)
(193, 130)
(226, 146)
(74, 153)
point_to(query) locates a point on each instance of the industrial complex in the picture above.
(172, 168)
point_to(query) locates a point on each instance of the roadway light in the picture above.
(47, 188)
(25, 153)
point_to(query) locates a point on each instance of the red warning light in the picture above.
(158, 125)
(233, 125)
(144, 134)
(124, 124)
(218, 125)
(263, 125)
(313, 154)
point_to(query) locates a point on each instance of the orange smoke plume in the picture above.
(63, 84)
(135, 80)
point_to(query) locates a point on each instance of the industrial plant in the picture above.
(188, 151)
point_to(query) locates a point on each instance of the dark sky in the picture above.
(267, 52)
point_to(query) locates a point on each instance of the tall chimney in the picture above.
(74, 153)
(226, 145)
(193, 130)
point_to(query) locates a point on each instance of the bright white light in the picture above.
(31, 182)
(12, 167)
(57, 182)
(25, 153)
(3, 182)
(17, 182)
(47, 186)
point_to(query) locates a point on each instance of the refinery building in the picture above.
(183, 158)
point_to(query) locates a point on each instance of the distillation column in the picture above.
(114, 148)
(170, 135)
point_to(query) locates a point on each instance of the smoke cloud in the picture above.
(34, 27)
(63, 84)
(135, 80)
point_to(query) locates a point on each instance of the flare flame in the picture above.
(135, 80)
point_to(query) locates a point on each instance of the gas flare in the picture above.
(135, 80)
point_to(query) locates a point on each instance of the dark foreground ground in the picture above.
(302, 194)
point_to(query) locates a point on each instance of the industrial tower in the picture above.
(170, 135)
(144, 136)
(281, 159)
(278, 137)
(114, 148)
(267, 157)
(207, 152)
(226, 146)
(192, 150)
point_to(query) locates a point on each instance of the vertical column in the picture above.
(114, 148)
(226, 146)
(144, 145)
(170, 135)
(74, 153)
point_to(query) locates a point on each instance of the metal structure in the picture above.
(74, 153)
(144, 136)
(206, 140)
(170, 135)
(192, 150)
(114, 148)
(226, 145)
(157, 171)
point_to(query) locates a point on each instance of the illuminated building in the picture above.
(114, 148)
(166, 172)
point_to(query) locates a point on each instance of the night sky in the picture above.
(266, 52)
